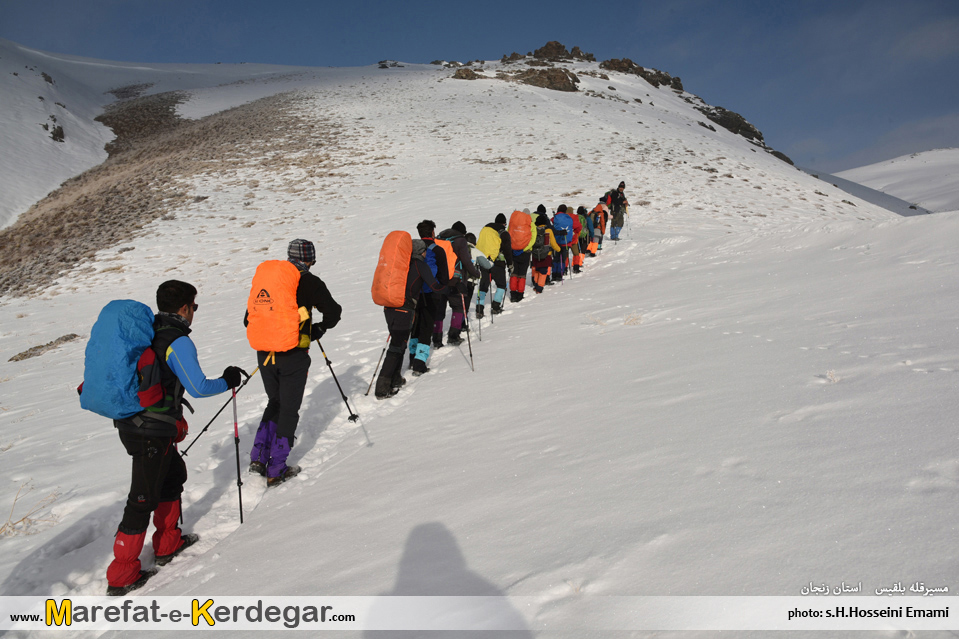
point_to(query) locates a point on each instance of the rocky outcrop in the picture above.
(555, 51)
(579, 54)
(732, 122)
(557, 79)
(785, 158)
(465, 74)
(653, 76)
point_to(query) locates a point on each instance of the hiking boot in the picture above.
(387, 393)
(187, 541)
(289, 473)
(122, 591)
(419, 367)
(577, 269)
(384, 388)
(258, 468)
(437, 340)
(480, 310)
(454, 340)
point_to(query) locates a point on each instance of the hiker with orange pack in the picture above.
(522, 235)
(401, 274)
(599, 216)
(279, 325)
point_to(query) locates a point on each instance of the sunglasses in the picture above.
(195, 306)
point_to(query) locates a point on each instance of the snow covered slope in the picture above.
(751, 391)
(929, 179)
(40, 91)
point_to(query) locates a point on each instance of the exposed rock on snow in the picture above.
(141, 180)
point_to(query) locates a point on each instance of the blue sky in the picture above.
(833, 84)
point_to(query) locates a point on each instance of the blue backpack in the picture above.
(119, 346)
(430, 258)
(563, 228)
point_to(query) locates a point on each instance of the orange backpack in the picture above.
(520, 230)
(273, 315)
(389, 279)
(451, 258)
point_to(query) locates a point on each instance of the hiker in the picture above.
(430, 300)
(463, 268)
(615, 199)
(482, 262)
(494, 243)
(585, 237)
(280, 327)
(599, 215)
(399, 320)
(522, 233)
(541, 253)
(150, 438)
(565, 229)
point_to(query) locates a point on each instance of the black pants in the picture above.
(399, 322)
(284, 381)
(423, 324)
(158, 475)
(521, 264)
(497, 274)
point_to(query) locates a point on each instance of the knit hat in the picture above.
(419, 247)
(301, 251)
(500, 218)
(561, 208)
(542, 220)
(459, 226)
(471, 238)
(622, 185)
(540, 209)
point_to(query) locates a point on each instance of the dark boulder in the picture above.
(553, 51)
(465, 74)
(732, 122)
(654, 77)
(785, 158)
(556, 79)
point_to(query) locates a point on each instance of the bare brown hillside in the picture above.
(142, 180)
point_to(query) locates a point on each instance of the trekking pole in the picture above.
(248, 378)
(353, 416)
(469, 342)
(378, 365)
(236, 439)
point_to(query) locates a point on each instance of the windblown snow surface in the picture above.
(929, 179)
(750, 392)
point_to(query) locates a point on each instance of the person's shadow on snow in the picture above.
(433, 565)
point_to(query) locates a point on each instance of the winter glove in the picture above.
(317, 331)
(232, 376)
(182, 430)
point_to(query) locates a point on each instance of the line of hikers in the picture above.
(415, 281)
